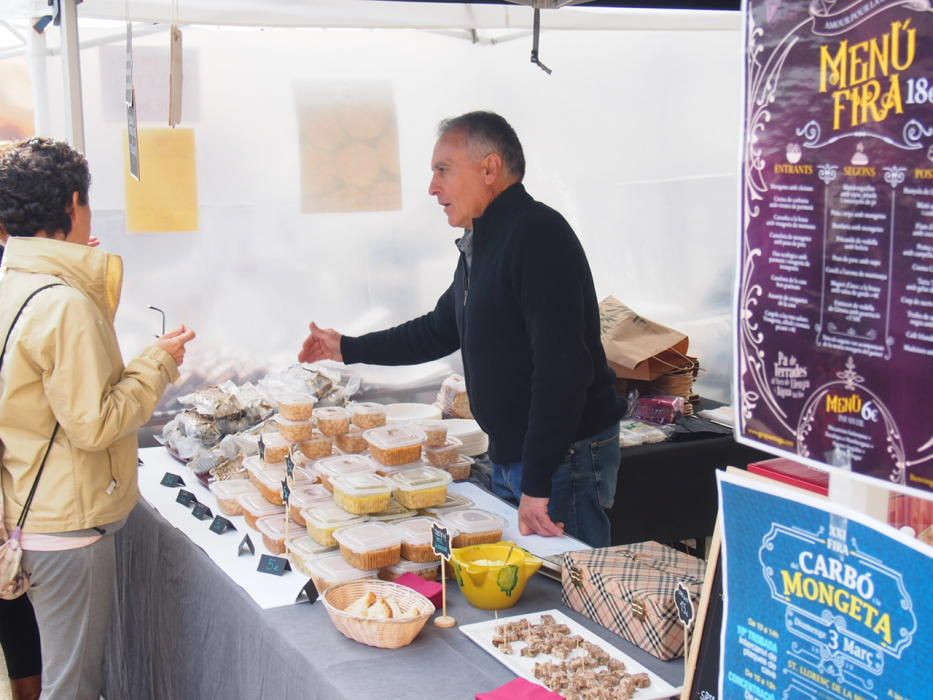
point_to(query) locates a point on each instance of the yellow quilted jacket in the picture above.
(63, 362)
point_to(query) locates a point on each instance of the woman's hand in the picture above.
(174, 342)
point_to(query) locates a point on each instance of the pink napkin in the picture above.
(429, 589)
(520, 689)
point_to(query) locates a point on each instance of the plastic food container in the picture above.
(295, 406)
(277, 446)
(444, 455)
(368, 415)
(362, 493)
(435, 432)
(295, 430)
(226, 492)
(371, 545)
(338, 465)
(421, 487)
(460, 470)
(322, 519)
(395, 444)
(272, 528)
(332, 420)
(304, 549)
(269, 480)
(304, 496)
(317, 446)
(351, 441)
(430, 571)
(329, 570)
(454, 502)
(395, 511)
(385, 470)
(416, 538)
(475, 526)
(255, 506)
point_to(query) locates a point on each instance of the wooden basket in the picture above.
(385, 634)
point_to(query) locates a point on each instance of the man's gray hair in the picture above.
(487, 132)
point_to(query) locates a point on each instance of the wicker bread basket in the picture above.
(385, 634)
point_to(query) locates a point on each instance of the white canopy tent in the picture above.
(634, 138)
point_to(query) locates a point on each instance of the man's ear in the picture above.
(492, 168)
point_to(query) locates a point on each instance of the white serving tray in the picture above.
(524, 666)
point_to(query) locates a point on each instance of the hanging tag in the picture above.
(202, 512)
(186, 498)
(221, 525)
(276, 566)
(175, 78)
(246, 547)
(440, 541)
(132, 129)
(172, 480)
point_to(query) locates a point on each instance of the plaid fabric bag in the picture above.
(630, 590)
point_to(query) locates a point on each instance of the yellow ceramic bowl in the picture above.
(487, 580)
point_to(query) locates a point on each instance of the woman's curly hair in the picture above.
(37, 180)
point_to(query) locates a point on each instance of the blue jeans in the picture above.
(582, 489)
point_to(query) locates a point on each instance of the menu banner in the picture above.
(835, 288)
(820, 602)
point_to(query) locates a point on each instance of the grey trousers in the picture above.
(72, 593)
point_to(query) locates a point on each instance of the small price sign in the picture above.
(246, 547)
(186, 498)
(440, 541)
(262, 449)
(289, 466)
(276, 566)
(221, 525)
(684, 604)
(202, 512)
(172, 480)
(286, 492)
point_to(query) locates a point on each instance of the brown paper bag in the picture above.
(636, 347)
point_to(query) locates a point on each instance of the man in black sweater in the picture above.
(522, 309)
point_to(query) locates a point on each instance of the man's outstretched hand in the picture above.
(321, 344)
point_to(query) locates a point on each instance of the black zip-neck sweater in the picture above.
(526, 319)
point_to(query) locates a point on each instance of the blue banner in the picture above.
(819, 601)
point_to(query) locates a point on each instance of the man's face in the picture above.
(460, 183)
(80, 223)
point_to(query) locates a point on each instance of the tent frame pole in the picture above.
(71, 63)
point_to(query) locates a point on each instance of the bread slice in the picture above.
(379, 611)
(361, 604)
(394, 606)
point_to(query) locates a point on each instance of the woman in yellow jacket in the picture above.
(63, 367)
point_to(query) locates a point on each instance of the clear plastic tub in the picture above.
(269, 480)
(295, 406)
(304, 496)
(322, 519)
(329, 570)
(304, 549)
(273, 531)
(435, 432)
(460, 469)
(422, 487)
(228, 491)
(454, 502)
(277, 447)
(351, 441)
(317, 446)
(255, 507)
(395, 444)
(362, 493)
(417, 537)
(386, 470)
(337, 465)
(429, 571)
(371, 545)
(475, 526)
(395, 511)
(295, 430)
(444, 455)
(368, 415)
(332, 420)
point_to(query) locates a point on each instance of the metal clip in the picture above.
(576, 577)
(638, 610)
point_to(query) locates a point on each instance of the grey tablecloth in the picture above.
(184, 630)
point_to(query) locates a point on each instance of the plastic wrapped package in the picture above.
(460, 469)
(333, 420)
(660, 409)
(435, 432)
(453, 399)
(304, 549)
(395, 444)
(255, 507)
(444, 455)
(227, 494)
(634, 432)
(273, 531)
(317, 446)
(362, 493)
(368, 415)
(417, 537)
(329, 570)
(429, 571)
(351, 441)
(326, 385)
(216, 401)
(475, 526)
(370, 545)
(323, 518)
(336, 465)
(294, 431)
(296, 406)
(422, 487)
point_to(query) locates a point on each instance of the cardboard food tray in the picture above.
(483, 632)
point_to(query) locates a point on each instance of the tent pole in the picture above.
(71, 62)
(37, 51)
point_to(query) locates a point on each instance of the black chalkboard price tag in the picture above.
(262, 448)
(273, 565)
(202, 512)
(286, 492)
(172, 480)
(440, 541)
(220, 525)
(246, 547)
(186, 498)
(684, 604)
(289, 466)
